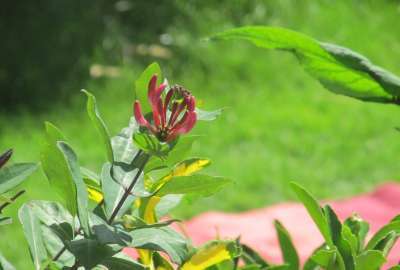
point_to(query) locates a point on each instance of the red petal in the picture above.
(140, 118)
(185, 125)
(152, 87)
(167, 100)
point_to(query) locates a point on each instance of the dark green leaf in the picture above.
(89, 252)
(343, 246)
(289, 253)
(250, 256)
(98, 122)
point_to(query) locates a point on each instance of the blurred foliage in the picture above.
(47, 46)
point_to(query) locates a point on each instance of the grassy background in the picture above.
(279, 124)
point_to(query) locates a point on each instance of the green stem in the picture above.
(12, 199)
(130, 188)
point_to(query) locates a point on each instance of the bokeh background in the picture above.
(278, 125)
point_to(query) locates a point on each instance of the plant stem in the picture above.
(129, 190)
(58, 255)
(12, 199)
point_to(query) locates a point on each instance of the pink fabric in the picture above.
(256, 226)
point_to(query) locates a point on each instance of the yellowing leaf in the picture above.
(208, 256)
(149, 213)
(184, 168)
(95, 195)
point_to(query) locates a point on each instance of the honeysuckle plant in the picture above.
(102, 216)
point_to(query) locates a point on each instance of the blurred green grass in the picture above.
(279, 125)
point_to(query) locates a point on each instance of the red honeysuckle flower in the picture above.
(167, 125)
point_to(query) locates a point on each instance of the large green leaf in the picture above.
(200, 184)
(141, 85)
(370, 260)
(161, 239)
(54, 244)
(33, 235)
(393, 226)
(314, 211)
(289, 252)
(81, 192)
(339, 69)
(13, 175)
(98, 122)
(56, 168)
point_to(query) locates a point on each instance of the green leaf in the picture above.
(200, 184)
(393, 226)
(54, 216)
(289, 252)
(89, 252)
(56, 168)
(98, 122)
(359, 228)
(250, 256)
(120, 261)
(161, 239)
(314, 211)
(324, 258)
(33, 234)
(370, 260)
(81, 192)
(338, 69)
(343, 246)
(397, 267)
(387, 243)
(13, 175)
(141, 85)
(4, 264)
(122, 144)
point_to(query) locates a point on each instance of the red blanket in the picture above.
(256, 226)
